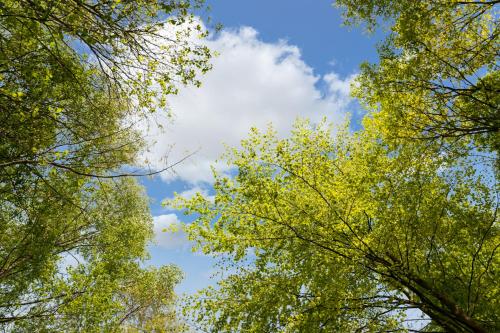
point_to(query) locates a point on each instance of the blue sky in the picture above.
(278, 60)
(314, 26)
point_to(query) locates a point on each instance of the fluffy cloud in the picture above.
(253, 83)
(167, 239)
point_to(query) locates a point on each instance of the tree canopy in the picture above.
(438, 74)
(74, 75)
(345, 234)
(391, 228)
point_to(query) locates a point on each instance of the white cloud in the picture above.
(253, 83)
(167, 239)
(338, 89)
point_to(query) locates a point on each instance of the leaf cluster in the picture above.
(437, 77)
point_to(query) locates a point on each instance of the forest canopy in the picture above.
(73, 225)
(389, 228)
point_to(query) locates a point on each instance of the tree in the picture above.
(135, 300)
(105, 287)
(438, 75)
(74, 76)
(347, 234)
(150, 299)
(73, 71)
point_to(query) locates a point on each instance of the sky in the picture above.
(278, 60)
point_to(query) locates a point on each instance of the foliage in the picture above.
(150, 297)
(135, 45)
(438, 74)
(73, 71)
(347, 234)
(105, 230)
(73, 77)
(131, 300)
